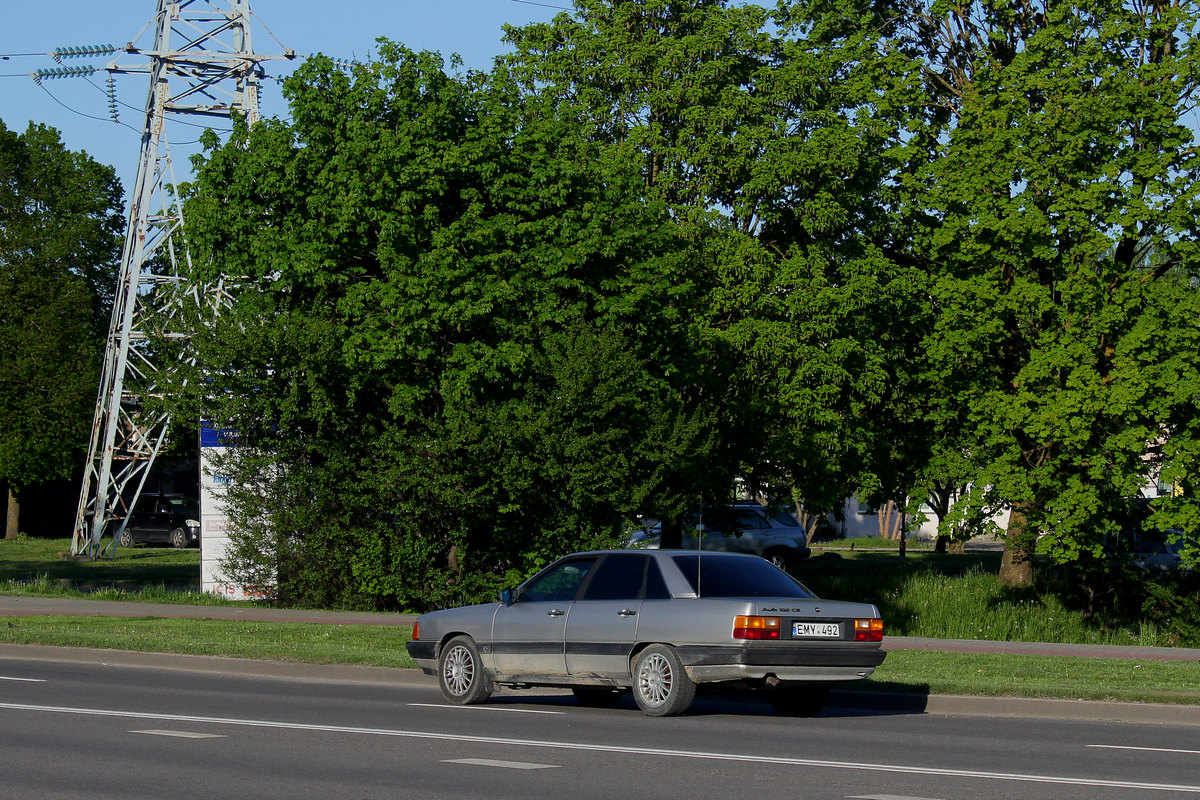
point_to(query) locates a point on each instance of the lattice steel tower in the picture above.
(202, 63)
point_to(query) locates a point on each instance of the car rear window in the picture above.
(713, 575)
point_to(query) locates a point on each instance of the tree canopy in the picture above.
(893, 249)
(460, 340)
(60, 220)
(1054, 202)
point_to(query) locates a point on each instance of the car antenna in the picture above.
(699, 545)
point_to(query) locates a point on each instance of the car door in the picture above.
(602, 625)
(528, 635)
(145, 523)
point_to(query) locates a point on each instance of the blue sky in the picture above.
(347, 29)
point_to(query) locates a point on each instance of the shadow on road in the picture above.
(724, 702)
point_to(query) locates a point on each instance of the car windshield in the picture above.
(712, 575)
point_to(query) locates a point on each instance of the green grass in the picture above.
(960, 597)
(1058, 677)
(313, 643)
(45, 568)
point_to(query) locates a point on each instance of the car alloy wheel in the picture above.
(460, 673)
(661, 687)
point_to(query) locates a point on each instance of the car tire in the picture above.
(461, 675)
(126, 539)
(661, 686)
(799, 701)
(179, 538)
(596, 697)
(779, 557)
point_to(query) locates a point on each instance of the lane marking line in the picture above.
(699, 755)
(887, 797)
(184, 734)
(25, 680)
(1145, 749)
(489, 762)
(485, 708)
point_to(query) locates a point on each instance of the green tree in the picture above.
(1054, 195)
(60, 224)
(771, 146)
(455, 339)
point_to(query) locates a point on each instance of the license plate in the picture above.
(817, 630)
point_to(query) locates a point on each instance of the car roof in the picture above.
(663, 552)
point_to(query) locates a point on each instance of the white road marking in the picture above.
(183, 734)
(1145, 749)
(488, 762)
(699, 755)
(485, 708)
(26, 680)
(887, 797)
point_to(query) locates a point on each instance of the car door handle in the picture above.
(626, 612)
(555, 612)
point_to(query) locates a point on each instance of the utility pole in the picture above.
(202, 63)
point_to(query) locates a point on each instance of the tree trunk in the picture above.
(671, 533)
(1016, 568)
(12, 529)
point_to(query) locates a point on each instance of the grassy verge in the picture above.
(959, 597)
(906, 671)
(45, 568)
(311, 643)
(1058, 677)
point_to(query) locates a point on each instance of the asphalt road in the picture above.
(89, 731)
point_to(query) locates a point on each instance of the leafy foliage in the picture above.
(457, 338)
(895, 249)
(1050, 193)
(60, 219)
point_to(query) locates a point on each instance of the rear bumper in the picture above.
(823, 664)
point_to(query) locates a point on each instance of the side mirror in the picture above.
(508, 596)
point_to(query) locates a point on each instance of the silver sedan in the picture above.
(657, 623)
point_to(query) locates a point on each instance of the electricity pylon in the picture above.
(202, 63)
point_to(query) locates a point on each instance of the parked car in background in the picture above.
(165, 519)
(768, 531)
(656, 623)
(1152, 551)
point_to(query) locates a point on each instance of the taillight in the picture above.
(868, 630)
(416, 631)
(756, 628)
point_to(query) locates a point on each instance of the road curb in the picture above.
(218, 665)
(840, 701)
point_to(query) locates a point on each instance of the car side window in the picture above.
(656, 587)
(559, 584)
(750, 520)
(619, 577)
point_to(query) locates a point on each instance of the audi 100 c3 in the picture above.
(656, 623)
